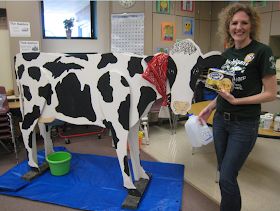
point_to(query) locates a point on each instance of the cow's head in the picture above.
(184, 54)
(187, 59)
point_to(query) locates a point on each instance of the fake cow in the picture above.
(110, 90)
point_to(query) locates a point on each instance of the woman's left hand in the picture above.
(229, 97)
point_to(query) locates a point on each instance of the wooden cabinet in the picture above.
(265, 28)
(216, 44)
(203, 10)
(204, 35)
(275, 23)
(275, 5)
(216, 8)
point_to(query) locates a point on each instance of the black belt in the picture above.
(233, 117)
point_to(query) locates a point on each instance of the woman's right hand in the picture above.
(206, 112)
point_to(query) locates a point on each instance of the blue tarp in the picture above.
(95, 183)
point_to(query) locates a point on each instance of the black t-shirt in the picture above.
(249, 65)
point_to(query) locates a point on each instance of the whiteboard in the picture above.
(127, 33)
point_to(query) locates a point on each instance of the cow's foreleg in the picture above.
(45, 132)
(133, 142)
(121, 149)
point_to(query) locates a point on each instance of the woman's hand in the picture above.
(228, 97)
(204, 114)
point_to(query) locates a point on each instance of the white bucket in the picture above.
(198, 134)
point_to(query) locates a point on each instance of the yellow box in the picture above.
(219, 80)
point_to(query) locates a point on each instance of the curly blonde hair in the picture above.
(226, 16)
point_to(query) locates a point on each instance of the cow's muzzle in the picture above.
(180, 107)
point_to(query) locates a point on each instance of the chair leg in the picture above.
(4, 146)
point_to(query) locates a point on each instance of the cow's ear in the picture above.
(171, 71)
(215, 61)
(148, 58)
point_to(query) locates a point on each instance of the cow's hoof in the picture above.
(134, 192)
(35, 169)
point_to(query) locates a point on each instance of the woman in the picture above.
(235, 124)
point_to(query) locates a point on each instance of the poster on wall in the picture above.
(188, 26)
(168, 31)
(28, 46)
(163, 6)
(19, 29)
(187, 6)
(162, 50)
(127, 33)
(258, 3)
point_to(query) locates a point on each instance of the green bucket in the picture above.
(59, 163)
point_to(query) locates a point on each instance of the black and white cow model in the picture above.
(107, 90)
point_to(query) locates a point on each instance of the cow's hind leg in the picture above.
(45, 132)
(30, 120)
(133, 142)
(29, 140)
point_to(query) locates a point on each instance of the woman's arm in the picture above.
(269, 93)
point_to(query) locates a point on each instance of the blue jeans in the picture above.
(234, 140)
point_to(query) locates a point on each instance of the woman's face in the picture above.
(240, 28)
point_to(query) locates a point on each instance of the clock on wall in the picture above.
(126, 3)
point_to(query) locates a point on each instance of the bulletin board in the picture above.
(127, 33)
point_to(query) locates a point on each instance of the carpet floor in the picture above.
(192, 199)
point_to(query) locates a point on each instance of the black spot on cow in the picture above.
(123, 112)
(15, 59)
(134, 66)
(202, 65)
(126, 166)
(30, 56)
(124, 81)
(106, 59)
(148, 59)
(26, 92)
(20, 71)
(109, 126)
(79, 56)
(104, 88)
(35, 73)
(73, 101)
(30, 140)
(171, 71)
(29, 118)
(57, 67)
(147, 96)
(46, 92)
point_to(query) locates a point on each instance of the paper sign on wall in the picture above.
(19, 29)
(188, 26)
(29, 46)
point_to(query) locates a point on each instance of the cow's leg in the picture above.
(138, 170)
(29, 140)
(30, 120)
(120, 142)
(115, 104)
(45, 132)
